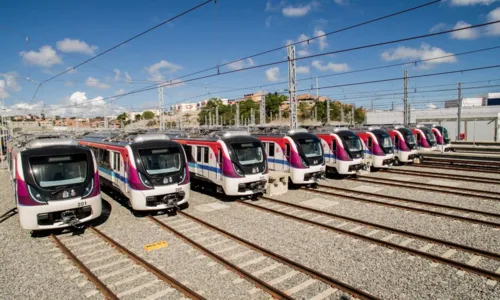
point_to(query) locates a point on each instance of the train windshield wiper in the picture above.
(62, 189)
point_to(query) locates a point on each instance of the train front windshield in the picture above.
(444, 133)
(311, 147)
(385, 141)
(248, 153)
(161, 161)
(409, 137)
(429, 136)
(353, 143)
(55, 171)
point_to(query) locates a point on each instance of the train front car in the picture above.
(296, 152)
(149, 169)
(405, 145)
(229, 162)
(343, 151)
(426, 140)
(442, 138)
(56, 184)
(378, 145)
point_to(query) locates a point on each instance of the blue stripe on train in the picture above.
(277, 161)
(205, 167)
(112, 174)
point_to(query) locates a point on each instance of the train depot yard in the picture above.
(353, 152)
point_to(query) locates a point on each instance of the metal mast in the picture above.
(237, 116)
(217, 116)
(405, 99)
(459, 114)
(291, 87)
(262, 109)
(161, 105)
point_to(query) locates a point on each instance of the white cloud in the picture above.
(296, 11)
(330, 66)
(120, 91)
(117, 74)
(438, 27)
(76, 46)
(93, 82)
(46, 57)
(322, 39)
(493, 15)
(155, 73)
(272, 7)
(471, 2)
(8, 84)
(273, 74)
(303, 52)
(431, 106)
(128, 78)
(466, 34)
(424, 52)
(240, 64)
(303, 70)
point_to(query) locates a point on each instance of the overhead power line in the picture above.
(126, 41)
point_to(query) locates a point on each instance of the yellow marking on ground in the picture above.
(155, 246)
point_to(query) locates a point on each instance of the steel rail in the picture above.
(274, 292)
(152, 269)
(444, 176)
(105, 291)
(493, 169)
(421, 210)
(429, 187)
(463, 162)
(476, 251)
(301, 268)
(435, 258)
(441, 166)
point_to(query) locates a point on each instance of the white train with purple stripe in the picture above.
(55, 181)
(228, 162)
(149, 169)
(296, 152)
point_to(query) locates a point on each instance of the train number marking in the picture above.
(179, 189)
(82, 204)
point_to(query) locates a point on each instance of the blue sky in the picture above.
(64, 33)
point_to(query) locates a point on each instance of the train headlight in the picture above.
(35, 195)
(145, 181)
(88, 189)
(238, 170)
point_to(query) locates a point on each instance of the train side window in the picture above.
(287, 150)
(104, 158)
(116, 161)
(369, 142)
(271, 149)
(396, 140)
(418, 137)
(189, 152)
(205, 155)
(219, 157)
(198, 153)
(334, 145)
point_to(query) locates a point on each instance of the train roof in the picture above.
(124, 138)
(213, 136)
(35, 141)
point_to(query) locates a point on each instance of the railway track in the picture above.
(466, 178)
(140, 275)
(382, 235)
(444, 167)
(485, 164)
(459, 191)
(310, 278)
(368, 197)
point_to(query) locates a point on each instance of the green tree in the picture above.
(122, 117)
(304, 111)
(137, 117)
(148, 115)
(273, 104)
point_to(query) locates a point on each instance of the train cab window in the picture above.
(287, 150)
(270, 152)
(334, 146)
(396, 140)
(219, 157)
(104, 158)
(205, 155)
(116, 161)
(369, 142)
(189, 152)
(198, 153)
(418, 137)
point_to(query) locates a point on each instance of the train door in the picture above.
(117, 169)
(287, 154)
(334, 150)
(271, 155)
(206, 162)
(199, 161)
(369, 144)
(419, 139)
(219, 163)
(396, 143)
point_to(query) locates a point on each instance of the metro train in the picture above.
(343, 150)
(296, 152)
(149, 169)
(379, 151)
(228, 162)
(405, 146)
(55, 182)
(426, 140)
(442, 138)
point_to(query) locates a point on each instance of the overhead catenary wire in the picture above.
(124, 42)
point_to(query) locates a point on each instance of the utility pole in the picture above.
(262, 120)
(342, 113)
(252, 116)
(237, 116)
(409, 113)
(327, 111)
(372, 106)
(291, 87)
(392, 107)
(279, 113)
(206, 120)
(315, 113)
(161, 105)
(210, 120)
(405, 99)
(317, 89)
(352, 115)
(459, 115)
(217, 116)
